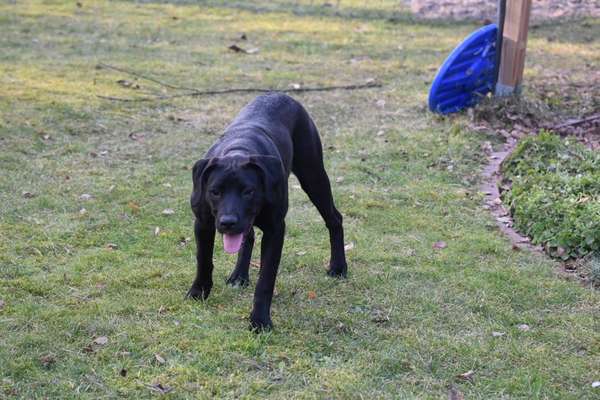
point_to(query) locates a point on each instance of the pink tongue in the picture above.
(232, 243)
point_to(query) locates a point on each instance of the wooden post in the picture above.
(514, 43)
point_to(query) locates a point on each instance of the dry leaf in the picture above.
(497, 334)
(47, 360)
(27, 195)
(163, 389)
(128, 84)
(82, 211)
(339, 179)
(137, 136)
(156, 231)
(349, 246)
(467, 376)
(312, 295)
(168, 211)
(159, 359)
(134, 207)
(300, 253)
(523, 327)
(440, 245)
(237, 49)
(455, 394)
(101, 340)
(85, 196)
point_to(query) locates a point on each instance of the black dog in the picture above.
(242, 182)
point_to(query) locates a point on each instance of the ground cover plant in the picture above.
(95, 225)
(554, 194)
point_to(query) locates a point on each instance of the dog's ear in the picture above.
(273, 176)
(199, 176)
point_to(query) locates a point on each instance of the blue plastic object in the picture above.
(467, 75)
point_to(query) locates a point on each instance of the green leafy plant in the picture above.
(554, 194)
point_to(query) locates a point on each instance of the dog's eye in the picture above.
(215, 193)
(248, 192)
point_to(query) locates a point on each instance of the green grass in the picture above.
(555, 194)
(402, 191)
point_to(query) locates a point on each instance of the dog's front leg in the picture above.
(205, 241)
(271, 246)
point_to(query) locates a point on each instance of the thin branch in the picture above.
(196, 93)
(138, 75)
(578, 121)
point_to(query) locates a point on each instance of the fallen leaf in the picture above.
(156, 231)
(47, 360)
(183, 241)
(300, 253)
(312, 295)
(339, 179)
(168, 211)
(137, 136)
(101, 340)
(498, 334)
(27, 195)
(237, 49)
(252, 50)
(128, 84)
(523, 327)
(379, 316)
(83, 211)
(159, 359)
(255, 264)
(440, 245)
(467, 376)
(349, 246)
(134, 207)
(455, 394)
(158, 387)
(85, 196)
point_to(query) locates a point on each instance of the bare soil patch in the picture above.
(542, 10)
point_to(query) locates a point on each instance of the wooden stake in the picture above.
(514, 43)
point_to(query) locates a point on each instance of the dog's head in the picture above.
(234, 190)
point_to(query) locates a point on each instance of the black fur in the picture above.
(242, 182)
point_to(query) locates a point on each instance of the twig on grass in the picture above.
(193, 92)
(578, 121)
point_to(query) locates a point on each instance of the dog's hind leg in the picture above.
(310, 171)
(239, 276)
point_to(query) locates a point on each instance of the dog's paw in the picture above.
(337, 271)
(198, 292)
(236, 280)
(260, 323)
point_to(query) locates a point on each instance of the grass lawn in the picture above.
(91, 287)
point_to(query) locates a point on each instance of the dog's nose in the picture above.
(228, 221)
